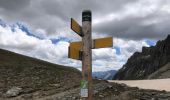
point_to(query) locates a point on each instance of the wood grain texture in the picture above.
(87, 56)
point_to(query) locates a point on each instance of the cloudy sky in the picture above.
(41, 28)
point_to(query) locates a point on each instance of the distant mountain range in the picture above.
(152, 62)
(106, 75)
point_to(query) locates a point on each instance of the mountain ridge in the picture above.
(141, 64)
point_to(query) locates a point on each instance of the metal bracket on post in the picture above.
(80, 54)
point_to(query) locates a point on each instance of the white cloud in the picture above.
(126, 19)
(133, 19)
(166, 8)
(107, 59)
(20, 42)
(103, 59)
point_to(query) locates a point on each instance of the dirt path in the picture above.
(156, 84)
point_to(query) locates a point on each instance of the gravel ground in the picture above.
(102, 91)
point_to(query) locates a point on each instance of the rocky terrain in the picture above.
(112, 91)
(21, 75)
(163, 72)
(152, 62)
(103, 90)
(25, 78)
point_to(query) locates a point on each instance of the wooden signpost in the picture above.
(96, 43)
(82, 50)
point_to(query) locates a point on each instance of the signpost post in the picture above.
(82, 51)
(87, 52)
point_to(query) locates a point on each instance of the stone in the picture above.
(73, 98)
(27, 96)
(56, 85)
(95, 92)
(110, 86)
(14, 91)
(101, 96)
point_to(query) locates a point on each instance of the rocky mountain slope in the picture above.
(22, 75)
(148, 63)
(161, 73)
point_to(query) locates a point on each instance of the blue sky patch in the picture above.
(25, 29)
(2, 23)
(56, 40)
(118, 52)
(150, 42)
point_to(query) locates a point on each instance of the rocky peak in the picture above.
(141, 64)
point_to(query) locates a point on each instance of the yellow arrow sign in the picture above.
(75, 53)
(77, 45)
(102, 42)
(76, 27)
(97, 43)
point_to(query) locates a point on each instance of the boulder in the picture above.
(13, 92)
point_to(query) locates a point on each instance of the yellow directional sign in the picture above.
(74, 53)
(77, 45)
(76, 27)
(103, 42)
(97, 43)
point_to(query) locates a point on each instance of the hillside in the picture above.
(152, 62)
(32, 75)
(26, 78)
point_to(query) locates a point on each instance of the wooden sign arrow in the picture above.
(74, 53)
(102, 43)
(76, 27)
(77, 45)
(75, 48)
(97, 43)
